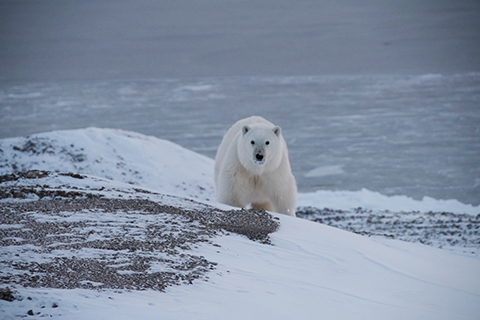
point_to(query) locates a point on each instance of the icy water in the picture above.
(399, 135)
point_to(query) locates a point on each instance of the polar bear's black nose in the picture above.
(259, 156)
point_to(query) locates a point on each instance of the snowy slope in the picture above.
(310, 271)
(117, 155)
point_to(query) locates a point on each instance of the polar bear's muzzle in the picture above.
(259, 157)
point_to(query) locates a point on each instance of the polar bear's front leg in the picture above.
(286, 206)
(230, 190)
(284, 197)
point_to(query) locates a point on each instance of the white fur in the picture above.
(256, 174)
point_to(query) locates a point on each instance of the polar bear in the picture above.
(252, 168)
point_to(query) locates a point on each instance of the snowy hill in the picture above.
(121, 202)
(117, 155)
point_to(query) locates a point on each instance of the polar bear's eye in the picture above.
(267, 143)
(252, 142)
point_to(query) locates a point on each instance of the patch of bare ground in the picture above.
(69, 239)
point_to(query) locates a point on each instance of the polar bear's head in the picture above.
(260, 149)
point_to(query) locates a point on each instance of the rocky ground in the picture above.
(69, 238)
(445, 230)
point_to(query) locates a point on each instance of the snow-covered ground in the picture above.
(308, 269)
(117, 155)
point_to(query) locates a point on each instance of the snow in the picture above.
(117, 155)
(309, 270)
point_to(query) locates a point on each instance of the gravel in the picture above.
(445, 230)
(69, 239)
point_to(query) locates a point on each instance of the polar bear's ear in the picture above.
(277, 130)
(245, 129)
